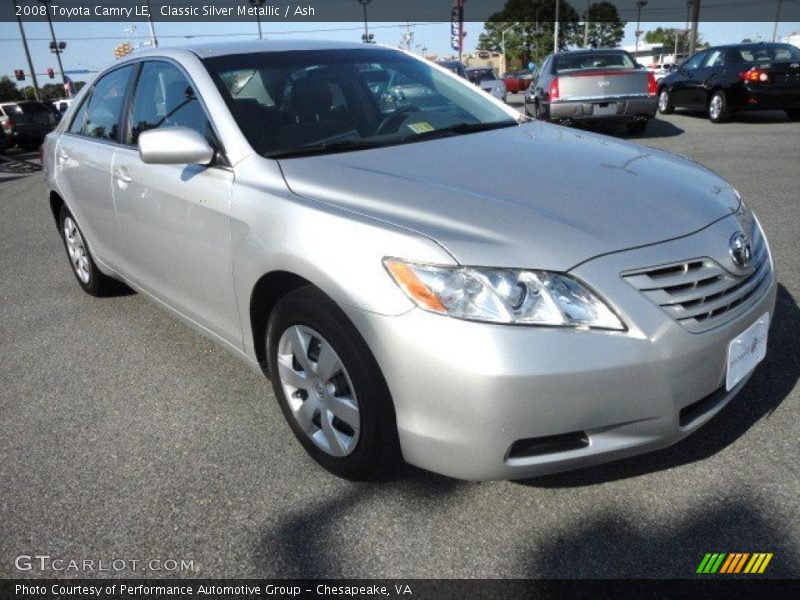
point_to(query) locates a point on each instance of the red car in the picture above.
(517, 81)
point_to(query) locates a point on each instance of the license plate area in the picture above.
(745, 351)
(605, 108)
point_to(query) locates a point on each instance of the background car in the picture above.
(5, 141)
(486, 78)
(593, 86)
(517, 81)
(27, 122)
(726, 79)
(63, 104)
(455, 66)
(660, 70)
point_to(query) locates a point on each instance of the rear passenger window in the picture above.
(165, 98)
(104, 107)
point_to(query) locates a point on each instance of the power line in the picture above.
(217, 35)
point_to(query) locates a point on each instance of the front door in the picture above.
(175, 219)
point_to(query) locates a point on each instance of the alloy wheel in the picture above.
(319, 390)
(76, 249)
(663, 101)
(715, 107)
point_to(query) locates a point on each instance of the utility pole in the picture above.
(258, 4)
(555, 29)
(695, 19)
(777, 19)
(56, 47)
(27, 54)
(153, 38)
(586, 25)
(639, 5)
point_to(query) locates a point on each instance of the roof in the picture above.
(226, 48)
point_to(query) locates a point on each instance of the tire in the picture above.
(718, 107)
(793, 114)
(89, 277)
(636, 127)
(665, 105)
(360, 444)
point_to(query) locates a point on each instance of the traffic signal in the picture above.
(123, 50)
(50, 73)
(19, 74)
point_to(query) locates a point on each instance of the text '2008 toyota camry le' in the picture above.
(420, 272)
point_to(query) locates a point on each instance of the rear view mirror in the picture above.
(174, 146)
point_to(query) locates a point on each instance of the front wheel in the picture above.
(330, 388)
(718, 108)
(665, 105)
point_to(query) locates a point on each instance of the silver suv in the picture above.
(420, 274)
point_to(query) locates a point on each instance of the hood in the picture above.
(533, 196)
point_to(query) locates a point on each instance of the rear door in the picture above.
(174, 219)
(83, 162)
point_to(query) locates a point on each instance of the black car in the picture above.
(5, 140)
(726, 79)
(455, 66)
(27, 122)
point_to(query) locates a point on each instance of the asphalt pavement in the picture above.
(125, 435)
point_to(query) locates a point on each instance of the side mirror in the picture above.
(174, 146)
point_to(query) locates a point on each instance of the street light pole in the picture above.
(153, 38)
(639, 5)
(55, 46)
(586, 25)
(777, 18)
(555, 32)
(27, 55)
(503, 44)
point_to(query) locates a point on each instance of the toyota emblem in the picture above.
(739, 249)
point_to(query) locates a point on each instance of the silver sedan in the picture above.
(420, 271)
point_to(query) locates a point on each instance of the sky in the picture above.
(94, 54)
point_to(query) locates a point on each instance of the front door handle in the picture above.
(122, 176)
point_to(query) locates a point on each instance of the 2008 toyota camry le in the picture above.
(420, 271)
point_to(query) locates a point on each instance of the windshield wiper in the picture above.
(459, 129)
(325, 148)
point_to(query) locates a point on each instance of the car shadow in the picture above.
(656, 128)
(771, 383)
(613, 543)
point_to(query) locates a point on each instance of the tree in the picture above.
(8, 90)
(606, 29)
(527, 42)
(666, 37)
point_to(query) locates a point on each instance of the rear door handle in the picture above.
(123, 176)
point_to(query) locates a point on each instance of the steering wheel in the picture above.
(394, 119)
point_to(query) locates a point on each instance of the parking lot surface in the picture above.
(125, 435)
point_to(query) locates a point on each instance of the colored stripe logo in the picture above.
(734, 563)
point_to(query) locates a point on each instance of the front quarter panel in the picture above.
(337, 250)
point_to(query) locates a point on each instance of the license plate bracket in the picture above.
(745, 351)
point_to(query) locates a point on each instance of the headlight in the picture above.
(502, 295)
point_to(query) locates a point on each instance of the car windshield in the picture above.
(479, 75)
(754, 55)
(593, 60)
(312, 102)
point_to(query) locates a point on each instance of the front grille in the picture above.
(699, 293)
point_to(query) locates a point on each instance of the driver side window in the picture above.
(165, 98)
(694, 62)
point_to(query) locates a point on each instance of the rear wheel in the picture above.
(718, 108)
(84, 268)
(665, 105)
(793, 113)
(330, 388)
(636, 127)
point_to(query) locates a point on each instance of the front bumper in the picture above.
(621, 109)
(466, 392)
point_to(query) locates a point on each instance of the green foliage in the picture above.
(666, 36)
(606, 29)
(8, 90)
